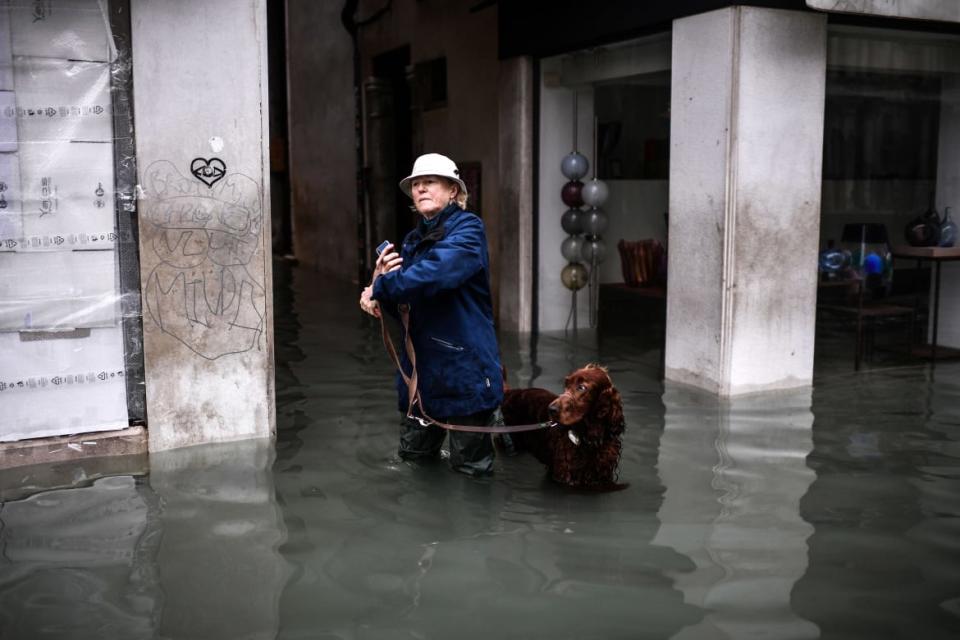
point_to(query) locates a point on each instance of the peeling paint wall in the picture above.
(200, 110)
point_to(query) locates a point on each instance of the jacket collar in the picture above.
(436, 231)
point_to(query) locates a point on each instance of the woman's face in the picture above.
(431, 194)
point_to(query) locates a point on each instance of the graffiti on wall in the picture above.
(206, 227)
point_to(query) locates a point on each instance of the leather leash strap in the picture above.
(413, 393)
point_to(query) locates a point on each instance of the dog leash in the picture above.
(413, 393)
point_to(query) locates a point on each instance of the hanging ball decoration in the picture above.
(594, 221)
(595, 193)
(572, 221)
(571, 194)
(574, 166)
(593, 249)
(574, 276)
(571, 248)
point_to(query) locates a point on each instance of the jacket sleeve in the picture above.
(449, 263)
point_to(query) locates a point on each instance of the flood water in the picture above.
(831, 514)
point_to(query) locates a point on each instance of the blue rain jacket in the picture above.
(445, 278)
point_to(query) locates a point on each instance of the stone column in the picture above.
(746, 135)
(516, 194)
(200, 112)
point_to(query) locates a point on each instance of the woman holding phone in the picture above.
(442, 273)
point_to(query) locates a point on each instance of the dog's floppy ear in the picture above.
(610, 409)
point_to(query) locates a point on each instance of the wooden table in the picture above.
(936, 255)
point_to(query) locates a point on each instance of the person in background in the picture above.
(442, 273)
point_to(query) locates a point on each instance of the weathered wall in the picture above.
(200, 108)
(321, 138)
(745, 167)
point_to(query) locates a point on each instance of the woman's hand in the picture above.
(388, 261)
(368, 304)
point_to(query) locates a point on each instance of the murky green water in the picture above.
(833, 515)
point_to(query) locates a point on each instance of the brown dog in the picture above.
(583, 449)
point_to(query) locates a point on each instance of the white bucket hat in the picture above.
(433, 164)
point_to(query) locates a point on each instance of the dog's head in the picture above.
(589, 398)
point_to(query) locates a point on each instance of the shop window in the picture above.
(890, 129)
(633, 135)
(881, 126)
(611, 104)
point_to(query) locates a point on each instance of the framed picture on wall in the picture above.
(471, 173)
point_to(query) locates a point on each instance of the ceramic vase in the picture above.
(948, 230)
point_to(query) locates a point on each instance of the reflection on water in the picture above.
(219, 528)
(735, 472)
(834, 516)
(73, 567)
(190, 552)
(885, 508)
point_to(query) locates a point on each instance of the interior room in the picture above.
(889, 184)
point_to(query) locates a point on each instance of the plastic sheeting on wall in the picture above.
(62, 306)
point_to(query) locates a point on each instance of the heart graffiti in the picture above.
(208, 171)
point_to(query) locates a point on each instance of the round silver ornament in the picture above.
(594, 249)
(594, 222)
(595, 192)
(571, 248)
(572, 221)
(574, 166)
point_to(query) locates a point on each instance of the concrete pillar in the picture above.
(746, 135)
(516, 194)
(200, 112)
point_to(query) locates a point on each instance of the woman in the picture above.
(442, 274)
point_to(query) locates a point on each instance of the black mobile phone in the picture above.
(382, 246)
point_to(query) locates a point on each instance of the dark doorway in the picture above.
(390, 144)
(282, 226)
